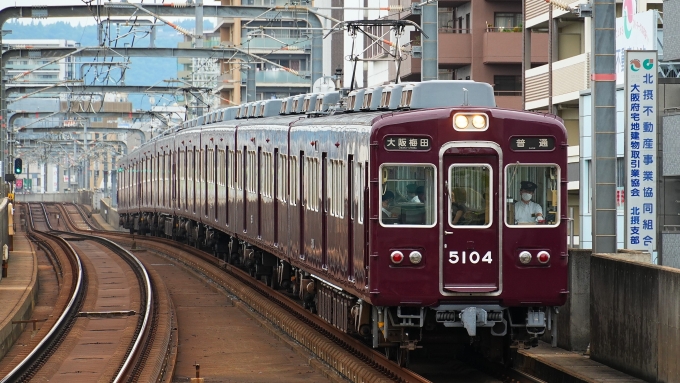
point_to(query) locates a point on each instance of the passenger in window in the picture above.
(420, 194)
(411, 193)
(387, 200)
(527, 211)
(458, 208)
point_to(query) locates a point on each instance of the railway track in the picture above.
(347, 355)
(104, 330)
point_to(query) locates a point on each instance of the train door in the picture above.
(276, 195)
(261, 176)
(350, 217)
(303, 204)
(324, 210)
(470, 220)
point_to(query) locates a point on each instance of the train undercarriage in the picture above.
(398, 330)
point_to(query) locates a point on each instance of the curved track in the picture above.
(104, 327)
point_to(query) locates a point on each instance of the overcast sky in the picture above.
(80, 20)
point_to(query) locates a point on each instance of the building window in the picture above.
(508, 20)
(446, 20)
(507, 85)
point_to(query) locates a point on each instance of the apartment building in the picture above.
(480, 40)
(285, 44)
(562, 87)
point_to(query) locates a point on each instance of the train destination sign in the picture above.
(532, 143)
(421, 143)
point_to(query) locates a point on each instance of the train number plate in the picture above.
(469, 257)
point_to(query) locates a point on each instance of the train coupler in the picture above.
(535, 322)
(471, 317)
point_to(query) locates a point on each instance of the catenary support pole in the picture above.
(604, 126)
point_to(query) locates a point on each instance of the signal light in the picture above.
(18, 166)
(543, 256)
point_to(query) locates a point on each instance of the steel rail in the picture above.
(64, 319)
(144, 327)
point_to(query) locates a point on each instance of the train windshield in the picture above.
(468, 194)
(407, 195)
(532, 195)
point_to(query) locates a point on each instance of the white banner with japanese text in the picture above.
(640, 122)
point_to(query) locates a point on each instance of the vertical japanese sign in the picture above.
(640, 119)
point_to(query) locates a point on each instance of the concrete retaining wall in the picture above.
(9, 332)
(109, 213)
(635, 317)
(48, 197)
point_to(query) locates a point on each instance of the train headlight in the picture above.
(525, 257)
(543, 256)
(415, 257)
(461, 121)
(479, 121)
(397, 256)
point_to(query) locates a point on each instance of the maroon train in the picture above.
(391, 213)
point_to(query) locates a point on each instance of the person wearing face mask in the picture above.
(527, 211)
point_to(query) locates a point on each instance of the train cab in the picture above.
(468, 215)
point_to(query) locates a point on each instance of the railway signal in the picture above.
(18, 166)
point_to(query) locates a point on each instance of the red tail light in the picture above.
(397, 256)
(543, 256)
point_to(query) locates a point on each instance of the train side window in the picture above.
(312, 179)
(230, 168)
(294, 181)
(407, 195)
(469, 189)
(282, 165)
(532, 195)
(361, 182)
(238, 172)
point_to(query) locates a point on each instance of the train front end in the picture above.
(468, 230)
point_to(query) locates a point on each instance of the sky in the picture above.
(80, 20)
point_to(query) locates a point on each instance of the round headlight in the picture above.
(461, 121)
(415, 257)
(478, 121)
(525, 257)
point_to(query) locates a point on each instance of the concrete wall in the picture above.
(671, 30)
(47, 197)
(635, 317)
(573, 321)
(110, 214)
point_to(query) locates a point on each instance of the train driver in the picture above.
(387, 200)
(527, 211)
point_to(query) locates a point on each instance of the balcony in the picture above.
(569, 77)
(537, 12)
(505, 46)
(225, 81)
(509, 99)
(283, 44)
(455, 47)
(277, 78)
